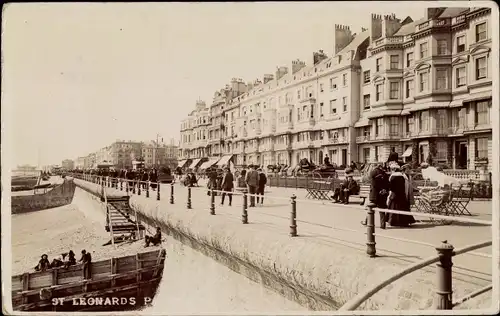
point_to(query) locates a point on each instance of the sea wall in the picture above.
(317, 276)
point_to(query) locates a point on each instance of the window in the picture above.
(409, 125)
(441, 120)
(424, 121)
(482, 113)
(333, 84)
(442, 150)
(378, 92)
(424, 78)
(394, 127)
(344, 80)
(460, 44)
(394, 93)
(379, 64)
(409, 59)
(409, 88)
(379, 127)
(442, 47)
(344, 104)
(366, 154)
(366, 131)
(366, 76)
(481, 32)
(377, 153)
(394, 61)
(321, 109)
(481, 68)
(441, 79)
(321, 87)
(366, 102)
(298, 94)
(333, 106)
(423, 50)
(461, 79)
(482, 147)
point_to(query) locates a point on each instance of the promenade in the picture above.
(336, 232)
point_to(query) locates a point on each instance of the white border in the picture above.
(6, 150)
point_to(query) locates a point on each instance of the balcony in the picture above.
(335, 140)
(310, 100)
(282, 147)
(362, 139)
(459, 19)
(389, 40)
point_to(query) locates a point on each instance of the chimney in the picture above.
(257, 82)
(390, 25)
(319, 56)
(280, 72)
(249, 86)
(268, 77)
(297, 65)
(363, 29)
(433, 13)
(343, 37)
(376, 27)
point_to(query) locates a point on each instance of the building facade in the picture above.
(68, 164)
(421, 88)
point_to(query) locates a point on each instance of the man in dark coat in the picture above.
(262, 186)
(227, 186)
(348, 187)
(43, 264)
(86, 259)
(155, 240)
(379, 190)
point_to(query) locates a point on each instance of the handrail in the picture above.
(359, 299)
(472, 295)
(109, 215)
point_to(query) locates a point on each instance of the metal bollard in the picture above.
(244, 215)
(139, 183)
(172, 193)
(212, 202)
(444, 274)
(189, 198)
(293, 217)
(121, 185)
(158, 189)
(370, 231)
(133, 187)
(148, 184)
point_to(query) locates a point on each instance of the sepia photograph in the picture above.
(250, 158)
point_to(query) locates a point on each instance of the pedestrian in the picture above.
(86, 259)
(227, 186)
(262, 186)
(379, 189)
(398, 198)
(252, 182)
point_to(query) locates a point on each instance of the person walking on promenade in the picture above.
(212, 180)
(153, 177)
(144, 178)
(240, 182)
(227, 186)
(407, 174)
(252, 181)
(398, 198)
(379, 190)
(86, 259)
(262, 186)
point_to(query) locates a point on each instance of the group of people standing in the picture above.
(66, 260)
(391, 188)
(253, 179)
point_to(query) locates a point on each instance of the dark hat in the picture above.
(348, 171)
(45, 255)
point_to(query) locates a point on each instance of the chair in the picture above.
(460, 201)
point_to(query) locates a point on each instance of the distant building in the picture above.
(26, 168)
(68, 164)
(80, 163)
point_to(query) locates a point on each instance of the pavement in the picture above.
(328, 223)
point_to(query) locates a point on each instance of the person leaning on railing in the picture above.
(379, 190)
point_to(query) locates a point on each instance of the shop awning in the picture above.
(456, 103)
(209, 163)
(362, 122)
(407, 152)
(478, 96)
(194, 163)
(224, 160)
(182, 163)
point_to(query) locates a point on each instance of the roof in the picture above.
(452, 12)
(353, 45)
(409, 28)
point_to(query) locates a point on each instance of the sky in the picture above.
(78, 76)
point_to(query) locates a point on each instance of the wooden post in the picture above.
(444, 289)
(138, 266)
(113, 271)
(158, 189)
(172, 193)
(55, 275)
(244, 215)
(212, 202)
(189, 199)
(293, 217)
(26, 286)
(370, 231)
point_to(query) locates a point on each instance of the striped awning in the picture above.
(407, 152)
(209, 163)
(224, 160)
(194, 163)
(182, 163)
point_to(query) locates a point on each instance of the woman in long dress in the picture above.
(398, 198)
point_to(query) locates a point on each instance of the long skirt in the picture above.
(399, 220)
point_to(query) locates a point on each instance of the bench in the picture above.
(320, 189)
(364, 193)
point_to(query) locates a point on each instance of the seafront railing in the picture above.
(445, 251)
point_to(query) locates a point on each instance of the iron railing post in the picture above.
(370, 231)
(244, 215)
(158, 190)
(172, 193)
(189, 206)
(148, 185)
(212, 202)
(139, 184)
(444, 274)
(293, 217)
